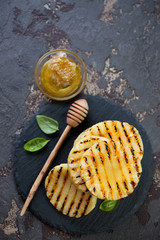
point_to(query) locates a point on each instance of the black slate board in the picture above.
(27, 166)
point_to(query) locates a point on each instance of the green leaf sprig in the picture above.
(109, 205)
(35, 144)
(47, 124)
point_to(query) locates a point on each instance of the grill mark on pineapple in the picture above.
(108, 150)
(116, 133)
(133, 184)
(118, 157)
(132, 129)
(87, 203)
(78, 176)
(109, 185)
(57, 200)
(81, 151)
(59, 172)
(99, 131)
(119, 190)
(110, 135)
(125, 185)
(125, 132)
(72, 202)
(114, 146)
(118, 160)
(85, 141)
(139, 174)
(55, 184)
(136, 166)
(135, 133)
(98, 147)
(123, 176)
(136, 138)
(105, 124)
(74, 161)
(93, 159)
(126, 135)
(50, 195)
(49, 178)
(85, 160)
(131, 150)
(78, 205)
(120, 140)
(115, 128)
(66, 197)
(101, 160)
(120, 134)
(91, 132)
(95, 138)
(106, 177)
(89, 173)
(62, 188)
(135, 161)
(125, 156)
(97, 170)
(74, 169)
(108, 130)
(112, 157)
(69, 209)
(63, 204)
(85, 149)
(76, 151)
(82, 183)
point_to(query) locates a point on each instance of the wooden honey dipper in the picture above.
(76, 114)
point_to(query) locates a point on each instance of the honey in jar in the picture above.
(60, 75)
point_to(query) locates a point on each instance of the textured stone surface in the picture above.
(119, 42)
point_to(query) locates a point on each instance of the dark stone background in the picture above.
(119, 41)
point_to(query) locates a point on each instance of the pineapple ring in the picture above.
(64, 195)
(107, 172)
(123, 133)
(74, 160)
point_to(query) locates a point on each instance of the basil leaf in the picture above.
(47, 125)
(109, 205)
(35, 144)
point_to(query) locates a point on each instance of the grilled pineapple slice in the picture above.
(109, 171)
(74, 159)
(126, 134)
(64, 195)
(82, 135)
